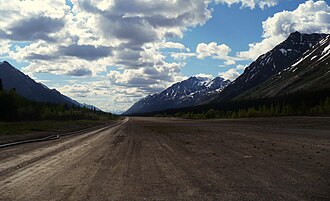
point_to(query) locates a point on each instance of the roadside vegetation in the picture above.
(300, 103)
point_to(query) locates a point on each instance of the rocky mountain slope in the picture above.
(272, 63)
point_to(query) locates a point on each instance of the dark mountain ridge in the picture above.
(24, 86)
(309, 73)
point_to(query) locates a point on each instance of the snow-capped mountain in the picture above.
(190, 92)
(30, 89)
(310, 72)
(273, 62)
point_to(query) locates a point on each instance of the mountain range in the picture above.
(301, 62)
(25, 86)
(190, 92)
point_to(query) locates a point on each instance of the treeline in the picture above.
(16, 108)
(296, 104)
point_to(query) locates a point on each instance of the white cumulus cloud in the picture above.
(230, 62)
(230, 74)
(213, 50)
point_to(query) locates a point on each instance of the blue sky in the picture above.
(112, 53)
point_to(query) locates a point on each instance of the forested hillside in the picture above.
(16, 108)
(295, 104)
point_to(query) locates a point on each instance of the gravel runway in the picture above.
(176, 159)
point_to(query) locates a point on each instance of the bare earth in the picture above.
(175, 159)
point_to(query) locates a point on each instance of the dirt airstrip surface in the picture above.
(176, 159)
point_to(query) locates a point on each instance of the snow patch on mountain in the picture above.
(326, 49)
(314, 57)
(284, 51)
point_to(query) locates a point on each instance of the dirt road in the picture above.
(175, 159)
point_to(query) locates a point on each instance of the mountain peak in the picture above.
(198, 78)
(296, 33)
(5, 63)
(218, 78)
